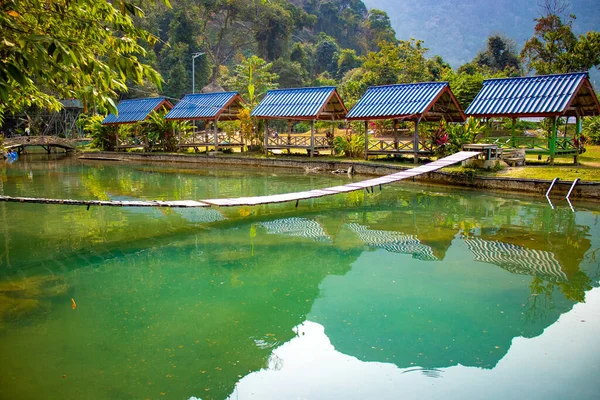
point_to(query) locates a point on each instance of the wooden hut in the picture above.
(417, 102)
(209, 108)
(301, 104)
(131, 112)
(551, 96)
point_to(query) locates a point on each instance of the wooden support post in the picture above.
(179, 136)
(289, 135)
(312, 138)
(366, 140)
(395, 122)
(216, 131)
(266, 138)
(577, 138)
(487, 129)
(416, 141)
(332, 136)
(553, 136)
(513, 139)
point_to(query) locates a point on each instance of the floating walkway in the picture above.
(367, 185)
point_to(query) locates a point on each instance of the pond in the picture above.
(412, 291)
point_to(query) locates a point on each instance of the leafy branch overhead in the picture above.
(64, 49)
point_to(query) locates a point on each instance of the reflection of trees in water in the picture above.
(275, 362)
(592, 257)
(539, 300)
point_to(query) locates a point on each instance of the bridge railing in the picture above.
(206, 138)
(296, 141)
(389, 145)
(530, 142)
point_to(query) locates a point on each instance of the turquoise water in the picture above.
(409, 292)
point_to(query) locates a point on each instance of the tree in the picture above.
(252, 77)
(347, 60)
(273, 31)
(436, 67)
(66, 49)
(353, 86)
(591, 129)
(303, 54)
(554, 48)
(379, 29)
(499, 55)
(404, 62)
(326, 53)
(343, 20)
(291, 74)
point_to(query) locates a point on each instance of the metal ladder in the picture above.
(568, 194)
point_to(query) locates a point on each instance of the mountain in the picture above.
(458, 30)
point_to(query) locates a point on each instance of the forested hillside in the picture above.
(280, 43)
(308, 42)
(457, 31)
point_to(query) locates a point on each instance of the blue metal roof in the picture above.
(134, 110)
(392, 101)
(201, 105)
(526, 96)
(296, 103)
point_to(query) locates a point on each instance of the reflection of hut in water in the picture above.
(517, 259)
(559, 234)
(297, 227)
(394, 242)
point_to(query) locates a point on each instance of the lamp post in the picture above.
(194, 56)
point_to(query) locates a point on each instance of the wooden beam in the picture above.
(312, 138)
(366, 139)
(416, 141)
(553, 140)
(216, 132)
(266, 138)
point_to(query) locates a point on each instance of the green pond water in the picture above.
(412, 292)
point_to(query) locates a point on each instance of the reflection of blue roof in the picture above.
(394, 242)
(135, 110)
(517, 259)
(300, 103)
(202, 105)
(396, 101)
(298, 227)
(532, 96)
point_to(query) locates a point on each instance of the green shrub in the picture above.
(161, 133)
(301, 127)
(456, 135)
(103, 136)
(591, 129)
(352, 146)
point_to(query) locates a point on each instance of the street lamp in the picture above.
(194, 56)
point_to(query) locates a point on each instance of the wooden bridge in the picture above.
(366, 185)
(46, 142)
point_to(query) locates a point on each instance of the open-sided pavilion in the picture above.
(550, 96)
(301, 104)
(416, 102)
(133, 111)
(210, 108)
